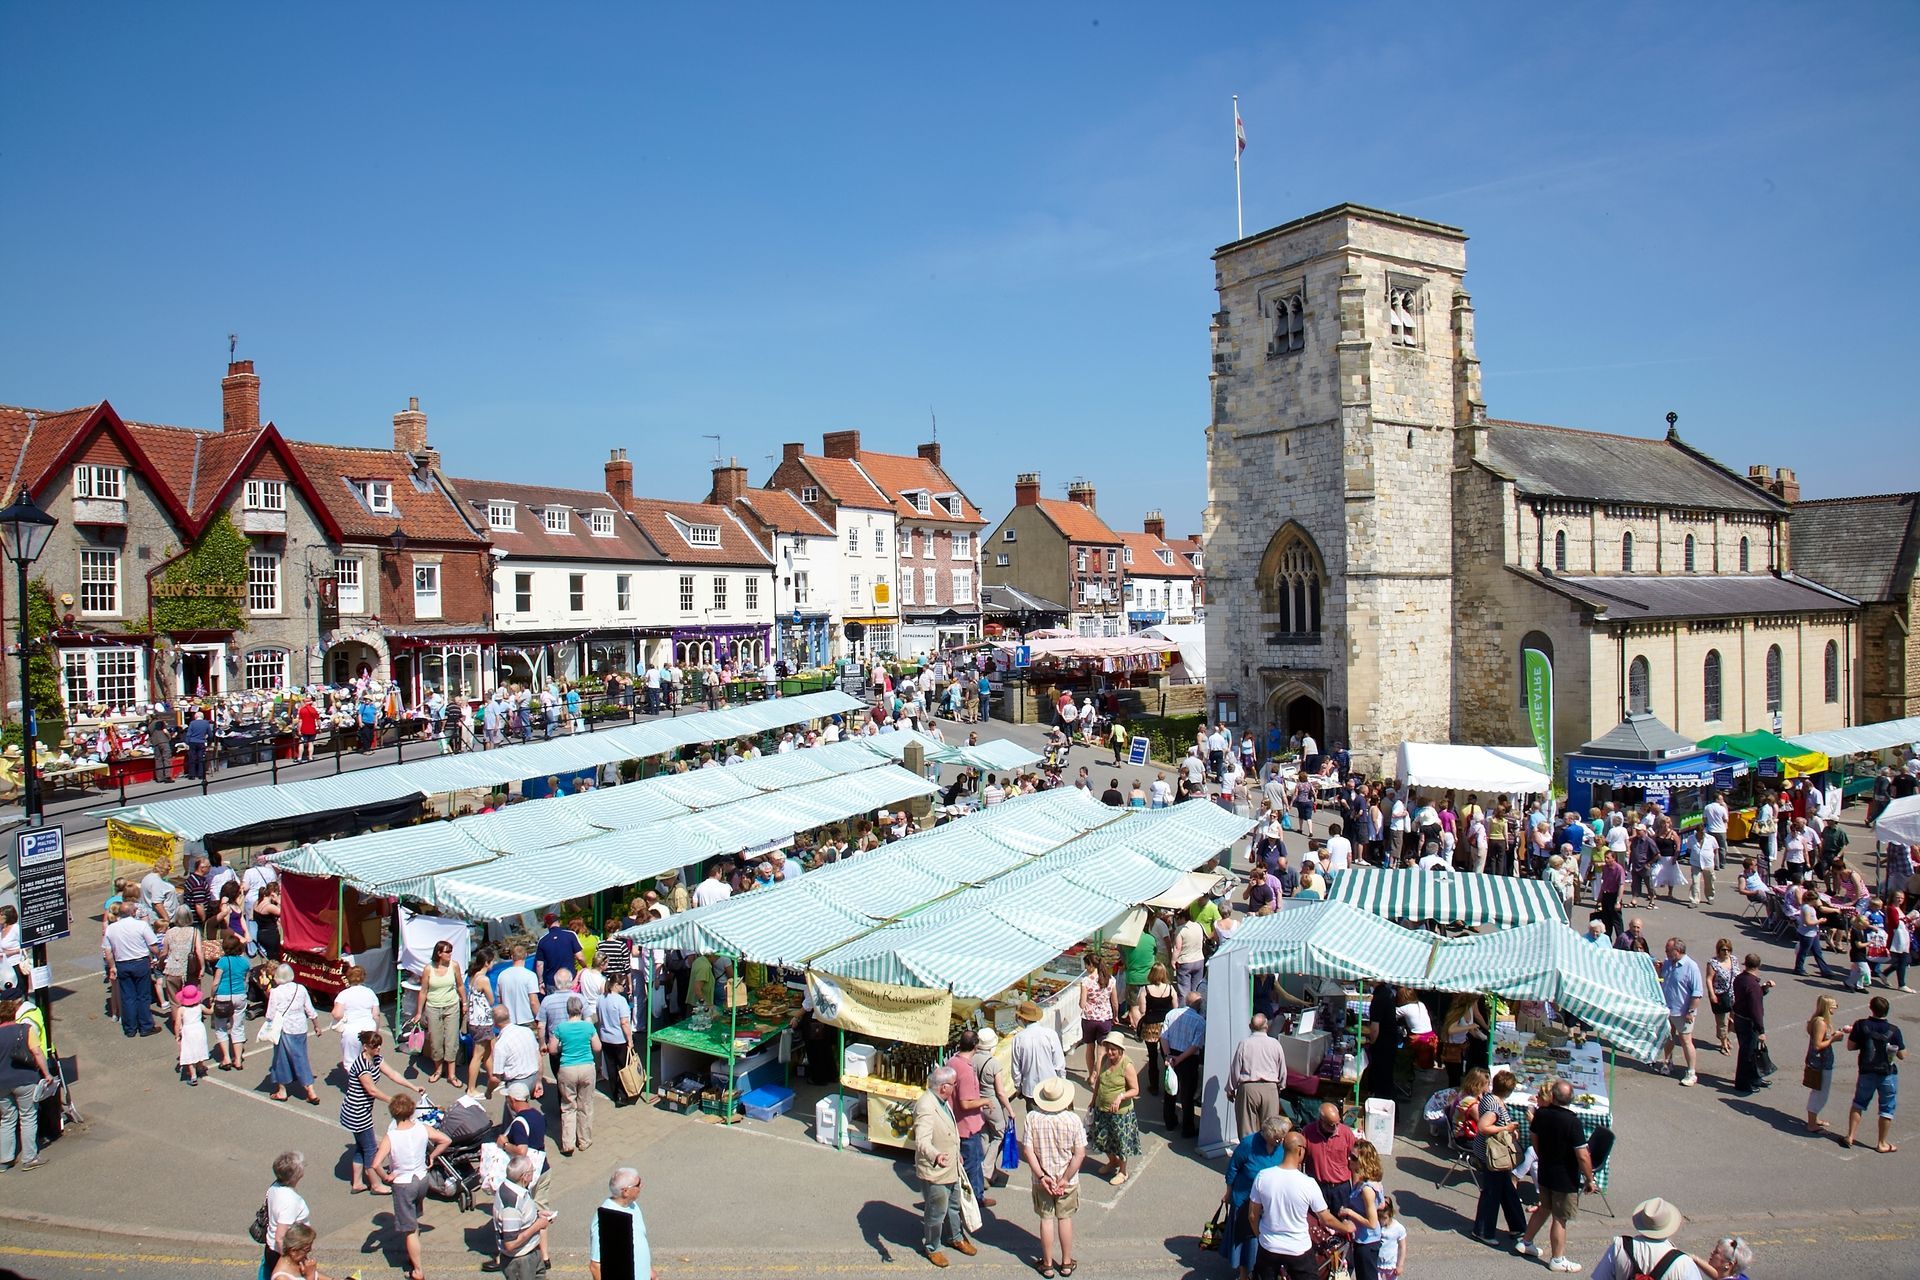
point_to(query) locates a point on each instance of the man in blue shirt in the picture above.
(558, 949)
(1682, 988)
(1182, 1040)
(617, 1246)
(199, 732)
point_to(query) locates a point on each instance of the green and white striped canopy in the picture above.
(998, 756)
(1448, 897)
(1616, 993)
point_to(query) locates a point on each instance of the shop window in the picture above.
(265, 669)
(104, 677)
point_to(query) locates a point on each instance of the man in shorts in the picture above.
(1055, 1144)
(1682, 987)
(1564, 1171)
(1882, 1047)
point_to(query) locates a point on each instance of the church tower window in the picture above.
(1773, 680)
(1403, 315)
(1710, 685)
(1746, 556)
(1626, 552)
(1560, 550)
(1287, 311)
(1290, 582)
(1689, 553)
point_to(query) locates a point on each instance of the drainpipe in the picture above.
(1620, 655)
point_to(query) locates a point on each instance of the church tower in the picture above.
(1345, 392)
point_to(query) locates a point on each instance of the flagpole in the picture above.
(1239, 218)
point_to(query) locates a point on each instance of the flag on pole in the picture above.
(1239, 131)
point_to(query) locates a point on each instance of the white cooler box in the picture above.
(1379, 1125)
(859, 1059)
(827, 1111)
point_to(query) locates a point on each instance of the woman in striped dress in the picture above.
(356, 1111)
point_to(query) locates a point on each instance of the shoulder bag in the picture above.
(258, 1230)
(632, 1079)
(269, 1032)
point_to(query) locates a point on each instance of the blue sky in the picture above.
(569, 227)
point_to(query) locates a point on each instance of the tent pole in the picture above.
(733, 1043)
(646, 1059)
(840, 1089)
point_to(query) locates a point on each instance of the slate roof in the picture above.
(1077, 521)
(421, 506)
(1005, 599)
(897, 473)
(1587, 465)
(530, 537)
(1640, 736)
(1630, 598)
(1146, 559)
(1864, 546)
(737, 546)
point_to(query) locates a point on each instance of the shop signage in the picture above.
(40, 871)
(198, 591)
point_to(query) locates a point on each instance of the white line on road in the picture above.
(293, 1107)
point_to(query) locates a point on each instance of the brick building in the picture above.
(1061, 550)
(806, 564)
(865, 520)
(1380, 551)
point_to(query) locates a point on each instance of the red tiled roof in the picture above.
(784, 512)
(898, 473)
(423, 508)
(736, 546)
(846, 483)
(1146, 558)
(1077, 521)
(57, 437)
(530, 536)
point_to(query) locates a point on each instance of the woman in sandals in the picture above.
(1113, 1127)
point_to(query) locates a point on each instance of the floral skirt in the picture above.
(1115, 1136)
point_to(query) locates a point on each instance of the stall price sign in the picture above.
(1137, 750)
(40, 870)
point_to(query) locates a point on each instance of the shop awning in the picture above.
(998, 756)
(1331, 940)
(194, 817)
(1899, 822)
(1704, 769)
(1089, 648)
(1760, 746)
(1448, 897)
(1483, 770)
(1861, 739)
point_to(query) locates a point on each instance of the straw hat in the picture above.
(1655, 1219)
(989, 1037)
(1028, 1012)
(1114, 1040)
(1056, 1094)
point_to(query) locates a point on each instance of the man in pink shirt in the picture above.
(967, 1107)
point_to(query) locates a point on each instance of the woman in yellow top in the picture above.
(440, 984)
(1113, 1128)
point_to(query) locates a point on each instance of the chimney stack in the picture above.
(931, 452)
(729, 482)
(1761, 474)
(1155, 525)
(410, 434)
(840, 444)
(620, 477)
(1026, 489)
(792, 451)
(1785, 486)
(240, 398)
(1081, 491)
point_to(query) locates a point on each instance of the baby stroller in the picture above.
(456, 1174)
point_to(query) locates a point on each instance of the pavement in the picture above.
(161, 1180)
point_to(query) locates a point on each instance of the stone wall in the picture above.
(1889, 660)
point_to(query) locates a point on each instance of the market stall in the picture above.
(1085, 666)
(1859, 751)
(1483, 771)
(1641, 761)
(1613, 995)
(1772, 761)
(1899, 822)
(1467, 899)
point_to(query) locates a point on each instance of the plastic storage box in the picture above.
(767, 1102)
(858, 1060)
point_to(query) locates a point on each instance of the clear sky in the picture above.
(568, 227)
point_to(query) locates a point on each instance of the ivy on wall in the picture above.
(218, 559)
(43, 685)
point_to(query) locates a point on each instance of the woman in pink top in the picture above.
(1099, 999)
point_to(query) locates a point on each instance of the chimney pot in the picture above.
(1759, 473)
(729, 482)
(1155, 524)
(1786, 486)
(840, 444)
(410, 428)
(1026, 489)
(1081, 491)
(240, 397)
(620, 478)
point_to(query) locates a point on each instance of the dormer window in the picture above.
(555, 520)
(500, 516)
(1165, 557)
(950, 503)
(266, 495)
(810, 493)
(923, 502)
(100, 482)
(602, 523)
(378, 495)
(703, 535)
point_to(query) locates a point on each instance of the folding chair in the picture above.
(1456, 1155)
(1599, 1147)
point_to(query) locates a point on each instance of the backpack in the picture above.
(1876, 1050)
(1657, 1271)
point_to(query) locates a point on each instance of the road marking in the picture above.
(293, 1107)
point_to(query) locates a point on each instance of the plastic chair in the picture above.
(1599, 1148)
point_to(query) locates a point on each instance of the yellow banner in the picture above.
(915, 1015)
(141, 845)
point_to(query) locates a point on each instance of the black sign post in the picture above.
(40, 871)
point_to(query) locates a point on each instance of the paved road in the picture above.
(163, 1179)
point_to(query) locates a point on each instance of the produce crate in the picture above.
(767, 1102)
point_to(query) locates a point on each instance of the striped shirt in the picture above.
(356, 1108)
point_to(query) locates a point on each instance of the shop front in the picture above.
(805, 640)
(876, 638)
(708, 646)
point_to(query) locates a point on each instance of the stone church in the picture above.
(1380, 551)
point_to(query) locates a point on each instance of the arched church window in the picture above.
(1291, 582)
(1639, 682)
(1560, 551)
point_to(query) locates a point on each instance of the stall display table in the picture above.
(1592, 1116)
(684, 1050)
(79, 776)
(1534, 1060)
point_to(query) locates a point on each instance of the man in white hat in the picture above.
(1648, 1251)
(1055, 1146)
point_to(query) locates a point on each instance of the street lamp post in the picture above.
(26, 529)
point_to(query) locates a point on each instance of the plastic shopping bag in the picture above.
(1010, 1149)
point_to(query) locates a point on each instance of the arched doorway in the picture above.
(1305, 715)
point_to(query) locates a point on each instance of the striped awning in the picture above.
(195, 817)
(1448, 897)
(1332, 940)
